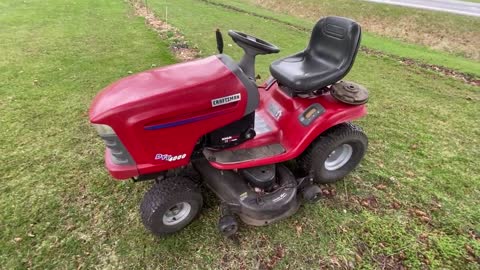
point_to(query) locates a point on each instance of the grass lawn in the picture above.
(452, 33)
(304, 20)
(58, 206)
(60, 209)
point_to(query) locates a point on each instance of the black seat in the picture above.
(327, 59)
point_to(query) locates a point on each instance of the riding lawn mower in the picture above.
(206, 123)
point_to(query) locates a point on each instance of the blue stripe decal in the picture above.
(183, 122)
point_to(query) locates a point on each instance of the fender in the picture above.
(287, 130)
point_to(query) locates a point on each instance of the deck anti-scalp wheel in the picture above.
(312, 193)
(170, 205)
(335, 153)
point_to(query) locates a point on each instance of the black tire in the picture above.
(163, 197)
(312, 193)
(313, 160)
(228, 225)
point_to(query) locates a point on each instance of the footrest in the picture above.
(242, 155)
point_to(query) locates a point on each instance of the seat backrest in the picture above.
(335, 42)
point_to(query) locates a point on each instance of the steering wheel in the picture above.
(252, 44)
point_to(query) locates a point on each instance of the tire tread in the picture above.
(165, 191)
(325, 140)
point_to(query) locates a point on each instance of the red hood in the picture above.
(155, 83)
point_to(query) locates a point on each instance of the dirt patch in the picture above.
(390, 261)
(277, 256)
(443, 70)
(179, 47)
(336, 262)
(466, 78)
(225, 6)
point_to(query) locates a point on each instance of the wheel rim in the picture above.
(177, 213)
(338, 157)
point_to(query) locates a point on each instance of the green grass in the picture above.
(56, 196)
(56, 55)
(444, 31)
(370, 40)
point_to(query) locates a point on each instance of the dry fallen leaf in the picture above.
(425, 219)
(420, 213)
(437, 205)
(370, 202)
(299, 229)
(423, 236)
(381, 187)
(396, 205)
(334, 261)
(474, 235)
(470, 250)
(17, 239)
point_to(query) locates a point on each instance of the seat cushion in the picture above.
(327, 59)
(302, 74)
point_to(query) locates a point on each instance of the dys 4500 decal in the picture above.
(170, 158)
(225, 100)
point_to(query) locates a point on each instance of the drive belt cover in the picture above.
(349, 92)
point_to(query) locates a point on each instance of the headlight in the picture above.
(103, 130)
(119, 153)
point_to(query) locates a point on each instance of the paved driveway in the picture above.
(453, 6)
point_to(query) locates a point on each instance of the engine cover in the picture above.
(159, 115)
(233, 134)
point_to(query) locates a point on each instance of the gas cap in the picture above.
(349, 92)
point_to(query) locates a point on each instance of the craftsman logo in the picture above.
(230, 139)
(225, 100)
(279, 198)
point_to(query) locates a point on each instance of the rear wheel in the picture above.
(335, 154)
(170, 205)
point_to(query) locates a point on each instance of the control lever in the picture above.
(219, 37)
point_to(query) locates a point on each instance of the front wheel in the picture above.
(335, 153)
(170, 205)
